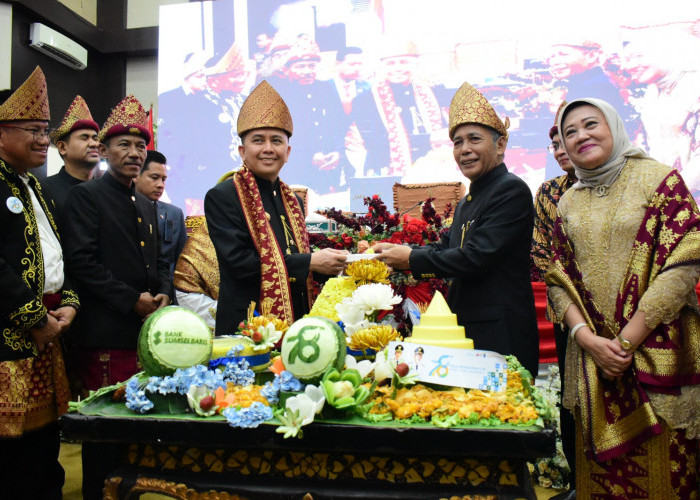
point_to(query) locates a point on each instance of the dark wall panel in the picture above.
(102, 83)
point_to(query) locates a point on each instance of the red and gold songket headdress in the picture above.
(265, 108)
(127, 118)
(77, 117)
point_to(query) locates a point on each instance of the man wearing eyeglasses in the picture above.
(546, 201)
(37, 304)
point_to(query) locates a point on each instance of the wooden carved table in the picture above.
(202, 458)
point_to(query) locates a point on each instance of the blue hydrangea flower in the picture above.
(248, 418)
(289, 382)
(136, 399)
(270, 391)
(238, 371)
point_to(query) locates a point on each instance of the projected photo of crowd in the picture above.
(369, 85)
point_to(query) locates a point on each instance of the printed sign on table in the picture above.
(469, 368)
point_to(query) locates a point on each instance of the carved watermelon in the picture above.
(312, 345)
(173, 337)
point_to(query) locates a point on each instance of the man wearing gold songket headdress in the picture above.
(257, 224)
(76, 140)
(38, 304)
(487, 251)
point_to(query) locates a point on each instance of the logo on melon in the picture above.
(156, 338)
(311, 346)
(301, 343)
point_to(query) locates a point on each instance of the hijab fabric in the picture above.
(603, 176)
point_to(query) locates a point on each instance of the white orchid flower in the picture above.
(195, 394)
(365, 366)
(304, 405)
(382, 367)
(299, 411)
(270, 336)
(316, 395)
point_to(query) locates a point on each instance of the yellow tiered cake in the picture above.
(438, 326)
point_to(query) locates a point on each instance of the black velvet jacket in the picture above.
(487, 253)
(22, 265)
(239, 262)
(112, 248)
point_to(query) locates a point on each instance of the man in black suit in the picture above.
(76, 140)
(487, 250)
(112, 246)
(256, 222)
(171, 221)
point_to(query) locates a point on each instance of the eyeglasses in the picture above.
(554, 147)
(38, 134)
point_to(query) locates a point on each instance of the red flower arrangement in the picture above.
(360, 231)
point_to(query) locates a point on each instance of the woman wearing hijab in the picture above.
(626, 258)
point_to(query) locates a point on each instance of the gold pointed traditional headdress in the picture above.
(127, 118)
(470, 106)
(264, 108)
(29, 102)
(555, 130)
(77, 117)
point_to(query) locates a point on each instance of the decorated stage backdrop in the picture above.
(369, 83)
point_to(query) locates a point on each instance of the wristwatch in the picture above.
(626, 344)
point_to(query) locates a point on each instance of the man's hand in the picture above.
(47, 334)
(162, 300)
(65, 316)
(395, 256)
(328, 261)
(145, 305)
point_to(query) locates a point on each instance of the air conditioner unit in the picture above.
(57, 46)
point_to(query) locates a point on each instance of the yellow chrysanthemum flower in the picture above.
(374, 337)
(333, 293)
(368, 271)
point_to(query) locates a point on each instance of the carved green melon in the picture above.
(312, 345)
(173, 337)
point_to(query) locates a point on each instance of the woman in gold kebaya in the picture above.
(626, 258)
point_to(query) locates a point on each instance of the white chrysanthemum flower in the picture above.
(351, 328)
(375, 297)
(349, 312)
